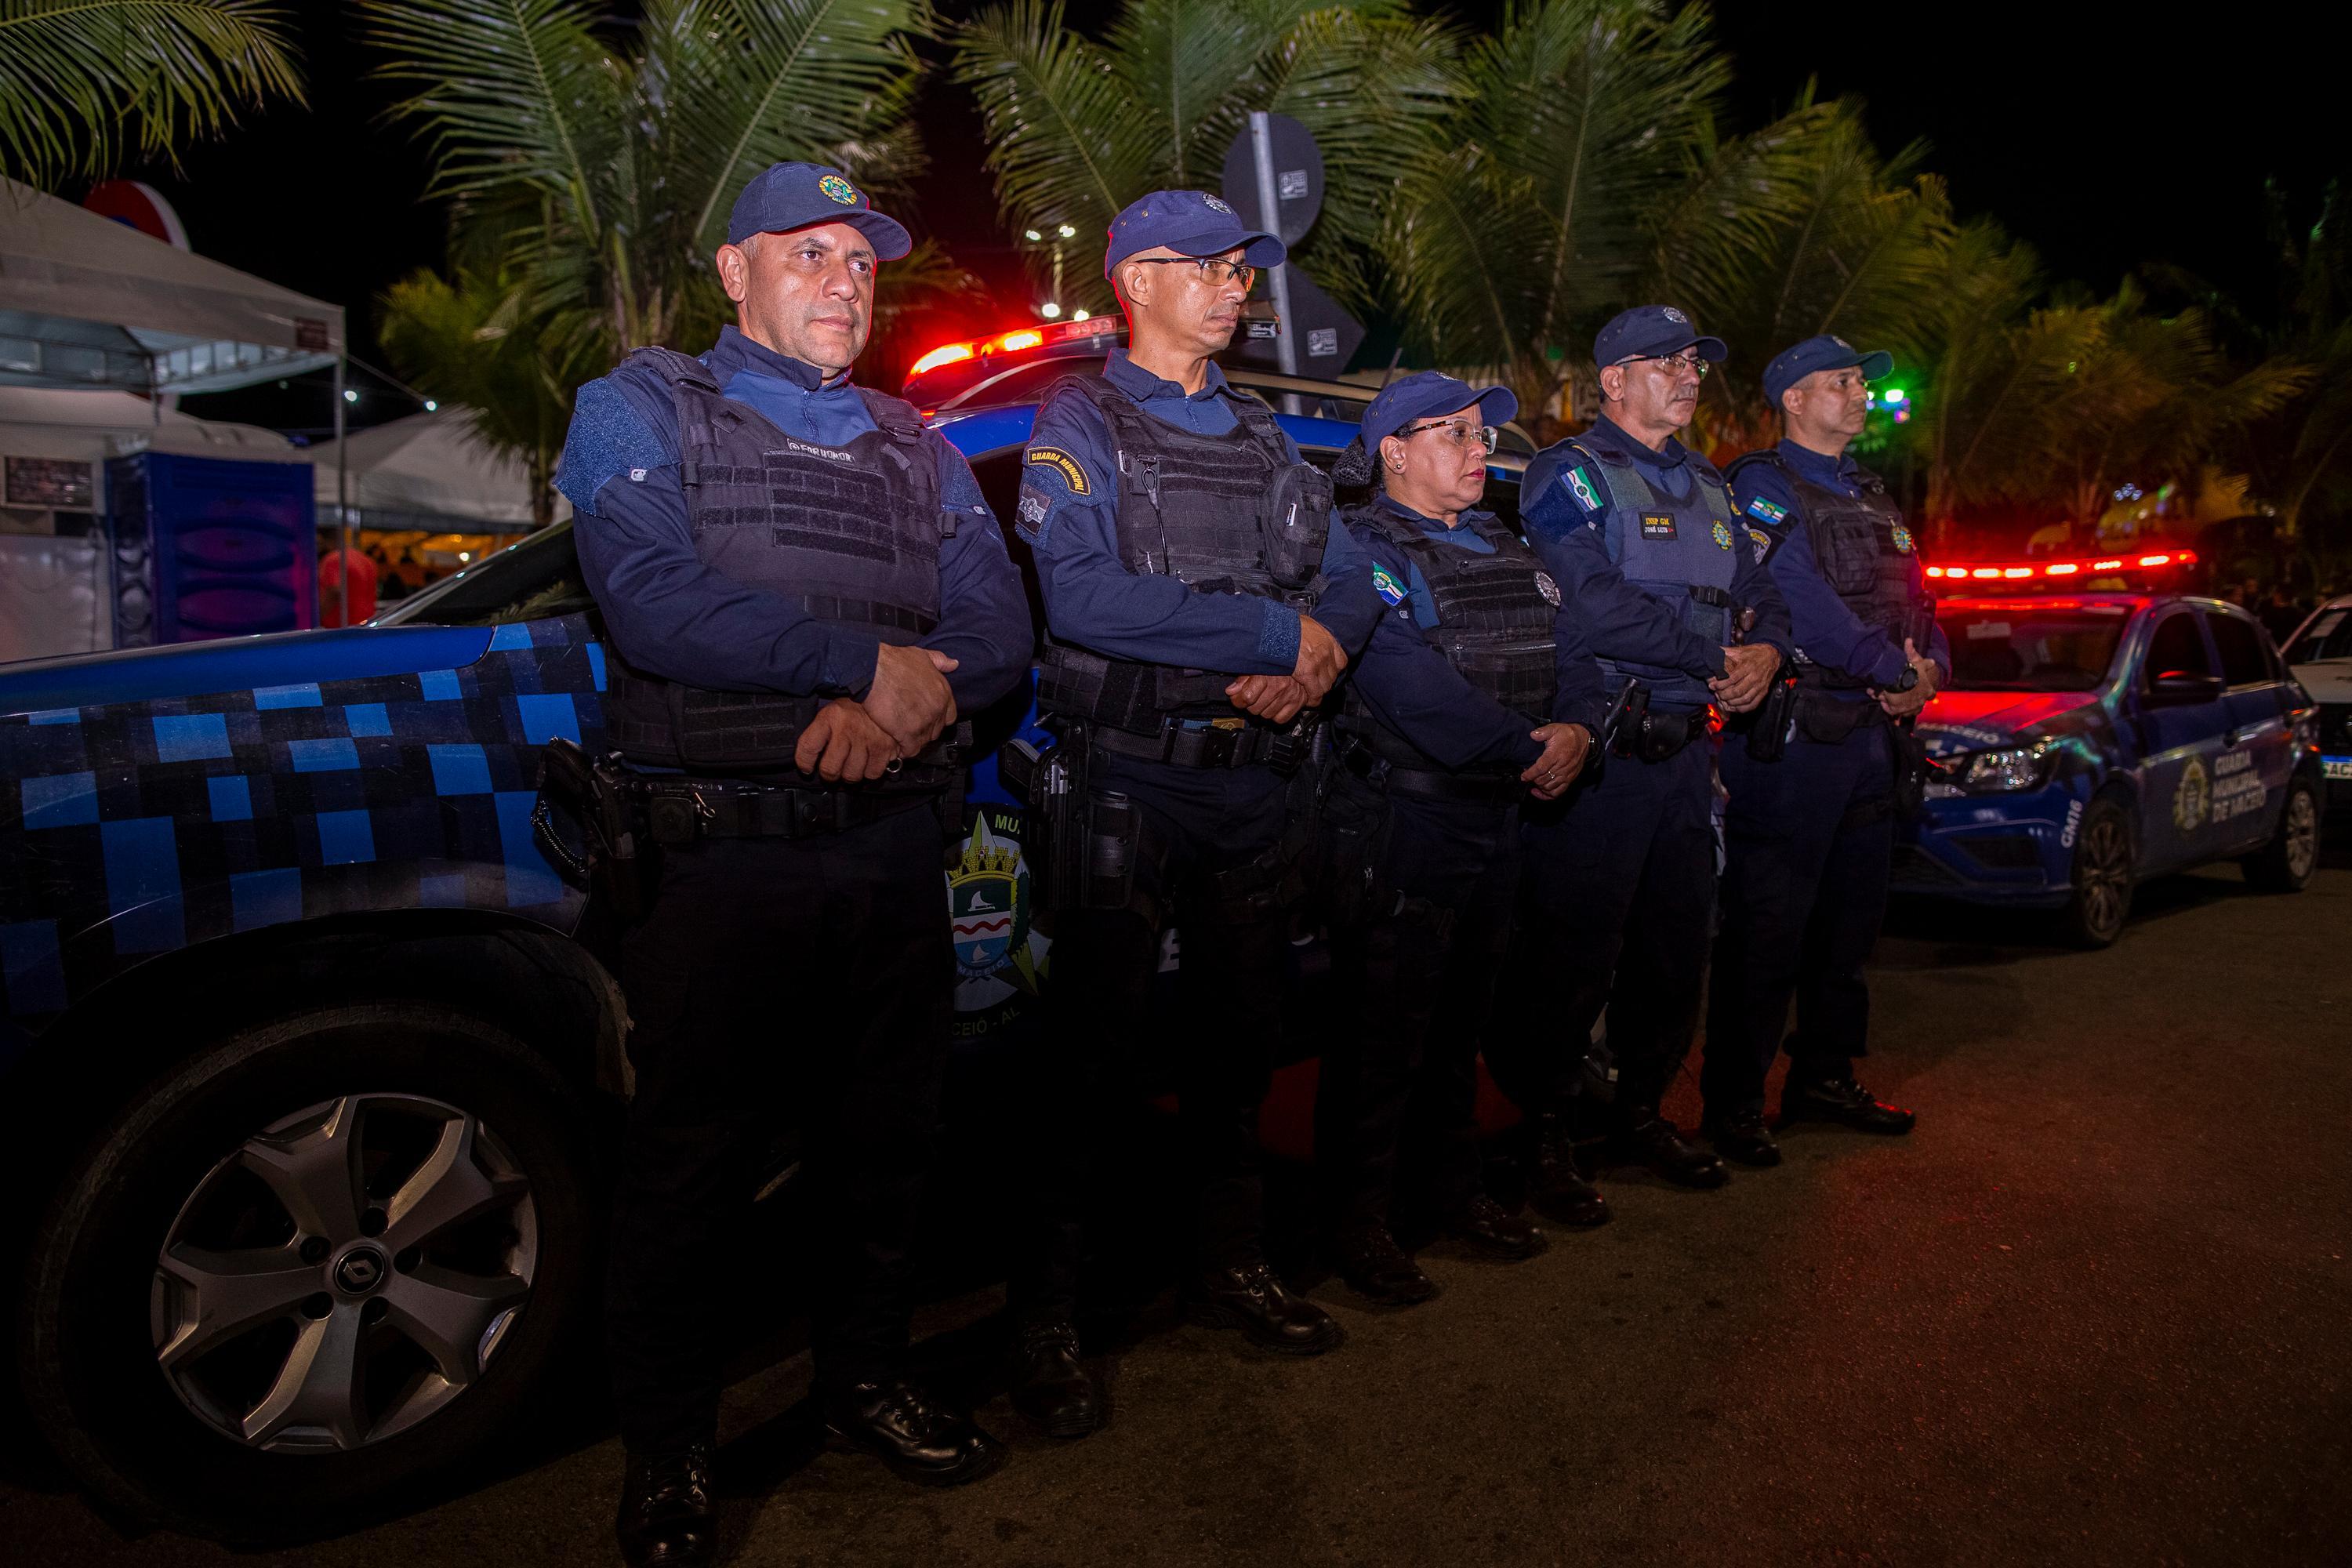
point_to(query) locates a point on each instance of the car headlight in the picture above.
(2002, 771)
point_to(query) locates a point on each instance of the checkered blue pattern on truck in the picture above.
(140, 826)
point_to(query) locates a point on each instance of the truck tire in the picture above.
(316, 1260)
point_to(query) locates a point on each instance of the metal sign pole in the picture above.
(342, 508)
(1277, 286)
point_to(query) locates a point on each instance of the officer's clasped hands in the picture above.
(909, 697)
(1747, 672)
(1565, 747)
(843, 744)
(1320, 658)
(1274, 698)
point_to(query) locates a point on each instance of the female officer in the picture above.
(1443, 730)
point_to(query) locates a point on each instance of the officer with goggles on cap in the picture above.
(1809, 838)
(1198, 602)
(802, 588)
(1619, 886)
(1458, 710)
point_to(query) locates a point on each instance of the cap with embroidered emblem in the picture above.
(1189, 223)
(1652, 332)
(787, 197)
(1827, 352)
(1427, 393)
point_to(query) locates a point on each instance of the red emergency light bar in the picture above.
(2000, 572)
(1016, 340)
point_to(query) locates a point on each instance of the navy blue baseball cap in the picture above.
(1828, 351)
(1428, 393)
(1647, 331)
(785, 196)
(1189, 223)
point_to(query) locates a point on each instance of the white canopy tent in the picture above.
(91, 427)
(429, 470)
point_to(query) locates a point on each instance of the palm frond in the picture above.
(1068, 143)
(82, 81)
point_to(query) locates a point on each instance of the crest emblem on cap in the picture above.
(1216, 205)
(839, 189)
(1676, 316)
(1840, 342)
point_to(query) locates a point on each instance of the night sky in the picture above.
(2090, 131)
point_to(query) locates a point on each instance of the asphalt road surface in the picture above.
(2096, 1310)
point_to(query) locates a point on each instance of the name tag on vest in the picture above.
(1657, 525)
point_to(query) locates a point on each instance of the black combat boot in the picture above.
(1845, 1102)
(1246, 1296)
(1555, 1188)
(1051, 1386)
(668, 1518)
(1492, 1231)
(1741, 1136)
(1377, 1270)
(1649, 1140)
(895, 1423)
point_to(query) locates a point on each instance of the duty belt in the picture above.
(679, 809)
(1202, 745)
(1662, 735)
(1422, 783)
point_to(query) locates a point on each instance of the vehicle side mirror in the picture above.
(2179, 689)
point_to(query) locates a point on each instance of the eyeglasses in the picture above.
(1214, 270)
(1460, 432)
(1672, 364)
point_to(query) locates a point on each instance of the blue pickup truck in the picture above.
(2087, 741)
(312, 1055)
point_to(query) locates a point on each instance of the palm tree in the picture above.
(1076, 129)
(1530, 213)
(606, 158)
(82, 81)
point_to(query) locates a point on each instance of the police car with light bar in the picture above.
(2089, 740)
(2320, 654)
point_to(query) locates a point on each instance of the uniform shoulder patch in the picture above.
(1902, 538)
(1766, 512)
(1762, 541)
(1385, 584)
(1722, 535)
(1054, 460)
(1584, 486)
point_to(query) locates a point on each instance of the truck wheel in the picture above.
(2285, 863)
(2103, 875)
(316, 1260)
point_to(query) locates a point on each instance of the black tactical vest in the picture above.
(1222, 514)
(852, 533)
(1678, 551)
(1496, 624)
(1865, 554)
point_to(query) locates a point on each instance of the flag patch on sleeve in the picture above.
(1581, 486)
(1385, 585)
(1758, 506)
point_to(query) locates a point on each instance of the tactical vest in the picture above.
(1222, 514)
(1680, 552)
(1496, 624)
(1865, 554)
(851, 533)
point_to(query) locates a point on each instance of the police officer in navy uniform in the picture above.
(801, 588)
(1618, 889)
(1446, 725)
(1809, 838)
(1198, 600)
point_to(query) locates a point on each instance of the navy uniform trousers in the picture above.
(1616, 896)
(1416, 948)
(1808, 842)
(1098, 1018)
(776, 981)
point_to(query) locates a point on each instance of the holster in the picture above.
(1768, 727)
(1828, 721)
(1912, 767)
(593, 792)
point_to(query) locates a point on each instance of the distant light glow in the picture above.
(431, 406)
(1893, 395)
(1050, 309)
(1066, 232)
(465, 555)
(349, 395)
(1082, 314)
(1031, 234)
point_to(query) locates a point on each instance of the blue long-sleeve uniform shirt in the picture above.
(670, 615)
(1414, 688)
(1617, 620)
(1830, 633)
(1069, 515)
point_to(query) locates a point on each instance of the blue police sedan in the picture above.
(325, 1050)
(2089, 742)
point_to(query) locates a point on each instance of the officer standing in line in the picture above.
(1448, 723)
(1618, 887)
(802, 588)
(1809, 838)
(1198, 600)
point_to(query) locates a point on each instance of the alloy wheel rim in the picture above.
(346, 1273)
(2301, 834)
(2105, 874)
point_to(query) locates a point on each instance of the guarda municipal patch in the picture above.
(1657, 525)
(1758, 506)
(1073, 474)
(1722, 535)
(1762, 541)
(1385, 585)
(1902, 538)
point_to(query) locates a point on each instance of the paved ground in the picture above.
(2097, 1309)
